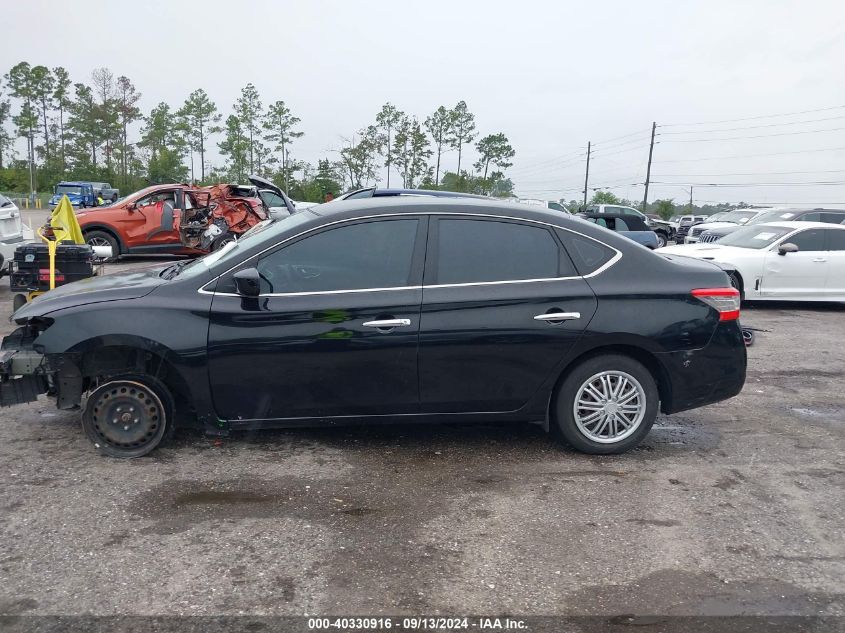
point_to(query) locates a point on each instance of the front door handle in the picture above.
(388, 324)
(820, 259)
(557, 317)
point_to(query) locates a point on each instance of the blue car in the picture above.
(80, 194)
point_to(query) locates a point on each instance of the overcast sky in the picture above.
(551, 75)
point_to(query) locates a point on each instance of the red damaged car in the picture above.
(176, 219)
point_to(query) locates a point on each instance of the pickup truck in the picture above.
(630, 226)
(80, 194)
(106, 191)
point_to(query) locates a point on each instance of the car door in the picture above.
(800, 275)
(142, 223)
(835, 280)
(333, 332)
(502, 307)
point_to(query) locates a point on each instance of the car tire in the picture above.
(606, 405)
(221, 240)
(736, 282)
(18, 301)
(128, 416)
(101, 238)
(662, 240)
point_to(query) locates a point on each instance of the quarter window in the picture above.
(355, 257)
(471, 251)
(809, 240)
(587, 254)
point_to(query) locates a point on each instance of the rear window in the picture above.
(587, 254)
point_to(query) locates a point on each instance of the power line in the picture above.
(754, 173)
(801, 151)
(755, 184)
(754, 118)
(737, 138)
(754, 127)
(622, 151)
(615, 138)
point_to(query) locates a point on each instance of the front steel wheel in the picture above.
(606, 404)
(128, 416)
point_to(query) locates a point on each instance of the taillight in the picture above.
(725, 300)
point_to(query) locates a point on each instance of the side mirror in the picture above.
(248, 282)
(131, 207)
(788, 247)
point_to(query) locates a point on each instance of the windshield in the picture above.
(756, 237)
(717, 216)
(738, 217)
(229, 254)
(68, 189)
(773, 216)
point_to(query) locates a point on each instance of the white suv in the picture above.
(732, 218)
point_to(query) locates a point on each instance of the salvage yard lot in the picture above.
(735, 508)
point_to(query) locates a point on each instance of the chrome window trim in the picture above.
(598, 271)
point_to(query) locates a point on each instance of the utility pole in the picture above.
(690, 199)
(648, 169)
(587, 175)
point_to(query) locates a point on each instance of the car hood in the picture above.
(713, 225)
(119, 286)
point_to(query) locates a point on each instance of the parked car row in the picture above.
(776, 254)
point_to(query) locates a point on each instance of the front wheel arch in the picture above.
(105, 229)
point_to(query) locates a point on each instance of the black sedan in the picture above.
(396, 310)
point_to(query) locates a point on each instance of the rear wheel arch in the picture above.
(639, 354)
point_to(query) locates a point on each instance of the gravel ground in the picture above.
(735, 508)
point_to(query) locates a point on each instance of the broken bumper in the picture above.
(22, 376)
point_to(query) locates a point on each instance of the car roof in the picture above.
(435, 204)
(799, 224)
(433, 193)
(590, 214)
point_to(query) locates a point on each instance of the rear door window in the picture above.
(477, 251)
(832, 218)
(835, 240)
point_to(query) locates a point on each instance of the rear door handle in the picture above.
(384, 324)
(819, 259)
(557, 317)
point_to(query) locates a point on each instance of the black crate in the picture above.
(31, 266)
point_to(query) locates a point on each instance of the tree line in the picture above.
(95, 130)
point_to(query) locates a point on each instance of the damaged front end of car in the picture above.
(27, 372)
(223, 214)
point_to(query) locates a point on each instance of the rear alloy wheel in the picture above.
(128, 416)
(101, 238)
(607, 405)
